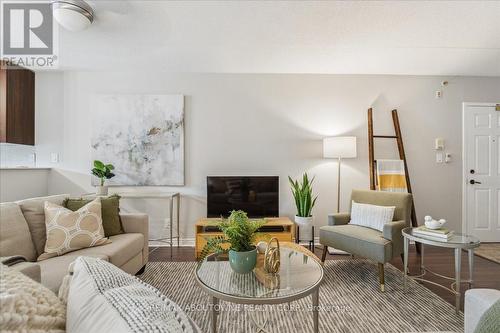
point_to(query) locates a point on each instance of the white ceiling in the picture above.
(344, 37)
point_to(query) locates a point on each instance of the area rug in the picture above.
(490, 251)
(350, 301)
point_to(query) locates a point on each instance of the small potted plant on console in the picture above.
(103, 172)
(239, 234)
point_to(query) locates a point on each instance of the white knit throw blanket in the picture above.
(27, 306)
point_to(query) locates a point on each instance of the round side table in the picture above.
(458, 242)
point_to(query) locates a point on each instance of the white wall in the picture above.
(49, 116)
(273, 125)
(22, 184)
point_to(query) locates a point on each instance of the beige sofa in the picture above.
(22, 233)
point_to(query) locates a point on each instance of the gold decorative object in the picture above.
(272, 257)
(270, 281)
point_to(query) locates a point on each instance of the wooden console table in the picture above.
(201, 234)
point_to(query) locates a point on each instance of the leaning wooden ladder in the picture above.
(402, 156)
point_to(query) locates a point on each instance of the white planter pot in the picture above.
(305, 227)
(102, 190)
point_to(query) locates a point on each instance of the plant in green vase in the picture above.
(239, 235)
(304, 201)
(103, 172)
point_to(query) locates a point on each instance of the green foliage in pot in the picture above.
(303, 195)
(103, 171)
(239, 233)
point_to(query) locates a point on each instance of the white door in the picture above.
(481, 139)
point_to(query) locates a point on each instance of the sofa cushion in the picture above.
(121, 249)
(365, 242)
(27, 306)
(54, 269)
(30, 269)
(35, 217)
(110, 212)
(15, 237)
(68, 231)
(103, 298)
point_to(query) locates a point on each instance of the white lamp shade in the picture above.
(339, 147)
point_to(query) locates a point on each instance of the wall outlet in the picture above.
(447, 158)
(439, 157)
(439, 94)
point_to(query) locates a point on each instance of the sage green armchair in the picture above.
(366, 242)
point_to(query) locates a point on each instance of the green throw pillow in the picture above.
(110, 212)
(490, 320)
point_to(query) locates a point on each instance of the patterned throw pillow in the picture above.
(371, 216)
(70, 231)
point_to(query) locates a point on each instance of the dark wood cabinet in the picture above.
(17, 105)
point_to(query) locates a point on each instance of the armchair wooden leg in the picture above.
(323, 256)
(381, 277)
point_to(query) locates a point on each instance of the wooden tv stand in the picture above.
(284, 223)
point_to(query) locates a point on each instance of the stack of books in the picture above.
(438, 234)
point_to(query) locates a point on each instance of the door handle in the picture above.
(472, 182)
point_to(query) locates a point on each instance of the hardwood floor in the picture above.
(486, 273)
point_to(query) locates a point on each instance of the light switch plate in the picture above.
(439, 144)
(54, 157)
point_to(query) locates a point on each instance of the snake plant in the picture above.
(303, 195)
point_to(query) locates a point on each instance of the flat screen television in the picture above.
(258, 196)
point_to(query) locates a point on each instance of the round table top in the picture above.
(299, 275)
(455, 241)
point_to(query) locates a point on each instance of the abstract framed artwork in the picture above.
(142, 136)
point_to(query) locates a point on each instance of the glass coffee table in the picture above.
(300, 275)
(458, 242)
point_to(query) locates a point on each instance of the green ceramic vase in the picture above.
(243, 262)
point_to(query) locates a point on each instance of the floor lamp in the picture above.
(339, 147)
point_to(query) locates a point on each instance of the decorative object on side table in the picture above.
(303, 195)
(103, 172)
(239, 232)
(433, 229)
(433, 224)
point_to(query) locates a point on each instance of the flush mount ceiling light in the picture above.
(73, 15)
